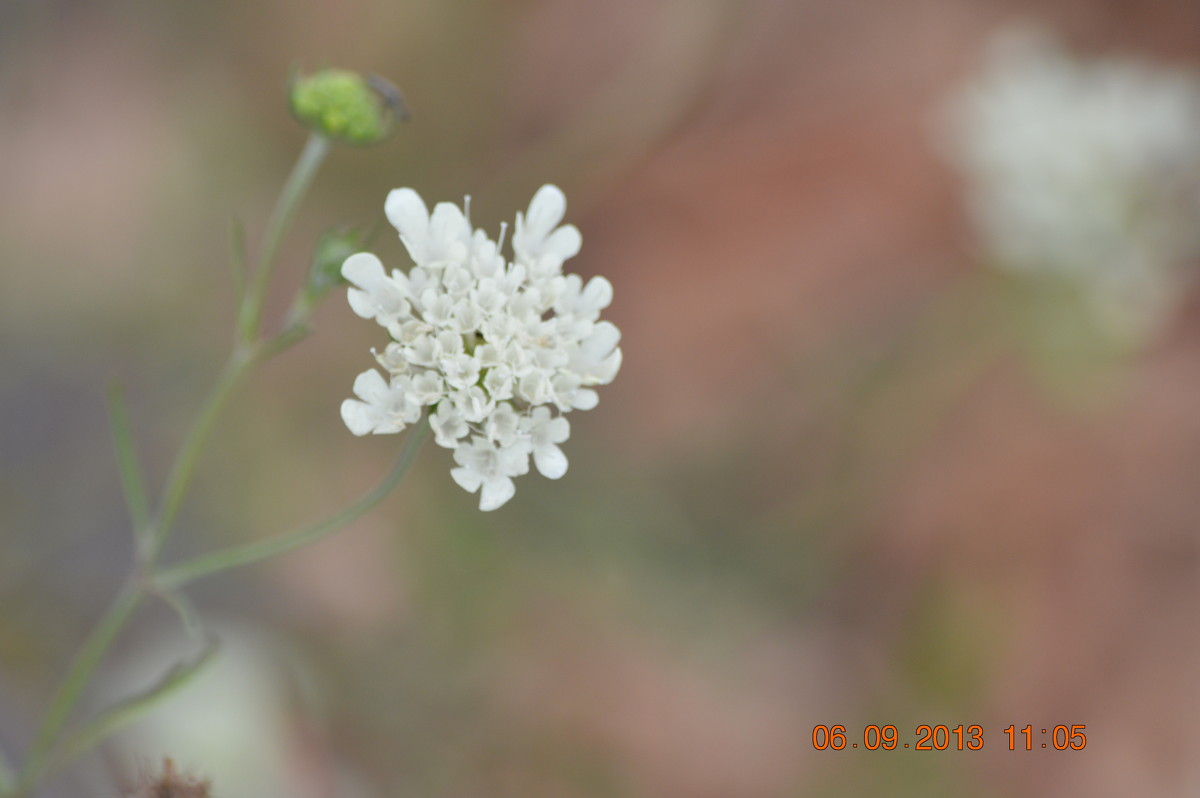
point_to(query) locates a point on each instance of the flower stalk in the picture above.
(53, 743)
(298, 182)
(185, 573)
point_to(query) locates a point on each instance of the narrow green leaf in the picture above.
(131, 709)
(186, 612)
(237, 259)
(127, 462)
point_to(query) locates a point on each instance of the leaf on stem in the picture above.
(331, 251)
(127, 463)
(131, 709)
(186, 612)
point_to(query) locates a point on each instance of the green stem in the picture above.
(81, 671)
(179, 575)
(127, 463)
(315, 150)
(185, 463)
(248, 351)
(135, 591)
(295, 329)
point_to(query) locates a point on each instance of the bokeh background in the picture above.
(828, 487)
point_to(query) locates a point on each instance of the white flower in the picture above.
(534, 388)
(503, 425)
(383, 407)
(501, 349)
(586, 303)
(538, 242)
(427, 388)
(376, 296)
(461, 370)
(392, 359)
(489, 469)
(545, 433)
(430, 241)
(448, 424)
(235, 716)
(1084, 172)
(499, 382)
(597, 358)
(474, 404)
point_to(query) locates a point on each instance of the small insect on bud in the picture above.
(171, 784)
(344, 106)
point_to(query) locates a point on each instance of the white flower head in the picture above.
(1084, 172)
(498, 350)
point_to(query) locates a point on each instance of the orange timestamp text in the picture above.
(950, 738)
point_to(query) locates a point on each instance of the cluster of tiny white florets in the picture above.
(497, 350)
(1086, 171)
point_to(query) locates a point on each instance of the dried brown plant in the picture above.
(170, 783)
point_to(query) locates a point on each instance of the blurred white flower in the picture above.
(232, 724)
(1086, 172)
(497, 350)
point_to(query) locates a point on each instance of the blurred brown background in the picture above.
(818, 493)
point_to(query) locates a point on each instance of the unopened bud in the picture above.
(331, 252)
(344, 106)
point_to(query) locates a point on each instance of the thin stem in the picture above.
(248, 351)
(130, 709)
(315, 150)
(170, 579)
(296, 328)
(185, 463)
(77, 677)
(179, 575)
(130, 469)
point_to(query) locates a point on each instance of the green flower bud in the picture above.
(346, 107)
(331, 252)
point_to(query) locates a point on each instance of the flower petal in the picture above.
(448, 226)
(585, 399)
(546, 209)
(363, 269)
(563, 243)
(371, 387)
(496, 491)
(550, 461)
(605, 336)
(359, 417)
(598, 294)
(407, 212)
(609, 368)
(468, 478)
